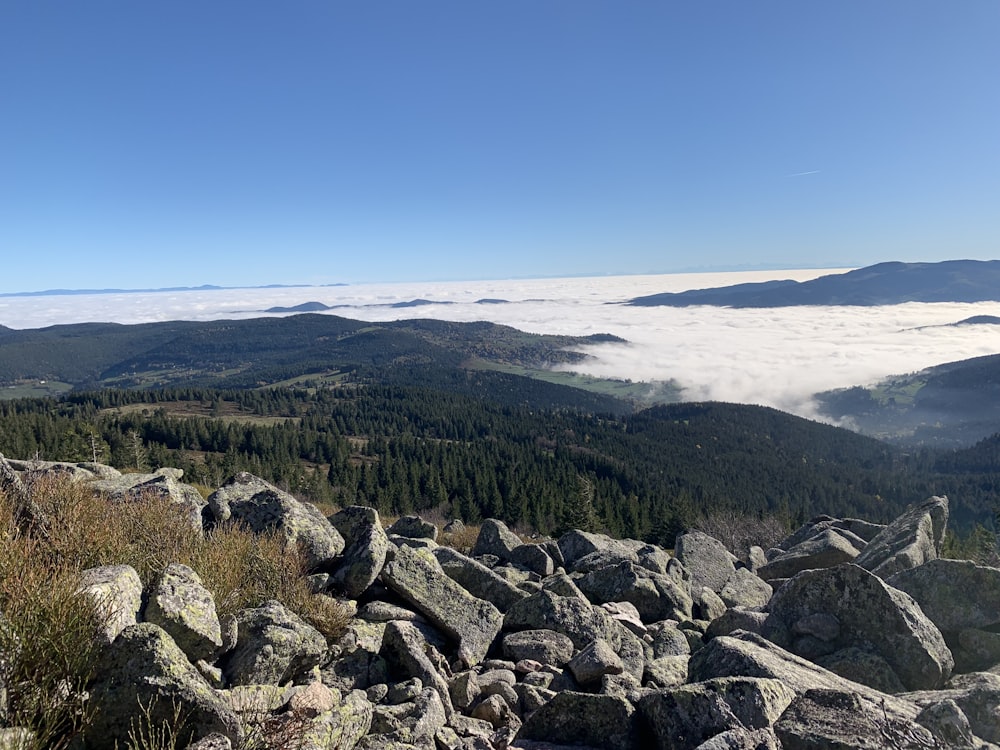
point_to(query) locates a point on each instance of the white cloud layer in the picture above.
(778, 357)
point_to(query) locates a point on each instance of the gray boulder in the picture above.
(533, 557)
(367, 545)
(116, 593)
(265, 508)
(145, 682)
(884, 620)
(576, 544)
(581, 621)
(417, 576)
(495, 539)
(977, 694)
(914, 538)
(273, 646)
(599, 721)
(544, 646)
(742, 739)
(406, 649)
(684, 717)
(181, 605)
(656, 596)
(954, 594)
(839, 719)
(745, 589)
(594, 661)
(477, 579)
(706, 559)
(414, 527)
(751, 655)
(341, 727)
(824, 550)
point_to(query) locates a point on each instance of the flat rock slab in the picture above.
(601, 721)
(417, 576)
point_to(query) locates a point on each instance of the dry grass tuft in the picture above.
(48, 643)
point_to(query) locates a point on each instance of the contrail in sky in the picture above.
(802, 174)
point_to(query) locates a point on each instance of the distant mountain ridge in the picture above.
(889, 283)
(202, 288)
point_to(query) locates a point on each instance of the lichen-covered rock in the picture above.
(340, 728)
(751, 655)
(544, 646)
(144, 679)
(600, 721)
(742, 739)
(405, 648)
(533, 557)
(417, 576)
(862, 666)
(706, 559)
(576, 618)
(977, 694)
(180, 604)
(412, 723)
(594, 661)
(495, 539)
(263, 507)
(913, 538)
(684, 717)
(745, 589)
(115, 591)
(824, 550)
(477, 579)
(367, 546)
(871, 614)
(840, 719)
(954, 594)
(273, 646)
(576, 544)
(414, 527)
(656, 596)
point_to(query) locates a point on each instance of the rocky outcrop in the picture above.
(115, 591)
(263, 507)
(590, 642)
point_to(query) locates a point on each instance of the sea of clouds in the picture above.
(778, 357)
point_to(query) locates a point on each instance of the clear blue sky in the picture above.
(147, 144)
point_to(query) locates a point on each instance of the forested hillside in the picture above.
(413, 448)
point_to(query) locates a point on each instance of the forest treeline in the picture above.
(409, 448)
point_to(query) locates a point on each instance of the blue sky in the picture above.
(164, 144)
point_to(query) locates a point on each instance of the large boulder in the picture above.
(163, 483)
(823, 550)
(574, 545)
(367, 546)
(751, 655)
(495, 539)
(656, 596)
(839, 719)
(406, 649)
(115, 592)
(543, 646)
(341, 727)
(912, 539)
(954, 594)
(477, 579)
(264, 508)
(575, 618)
(682, 718)
(863, 611)
(181, 605)
(273, 646)
(572, 718)
(745, 589)
(145, 682)
(706, 559)
(417, 576)
(977, 694)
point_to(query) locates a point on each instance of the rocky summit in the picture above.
(845, 635)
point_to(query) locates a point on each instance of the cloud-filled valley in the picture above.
(778, 356)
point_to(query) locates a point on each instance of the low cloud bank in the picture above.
(777, 357)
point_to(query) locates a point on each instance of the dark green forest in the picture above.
(472, 453)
